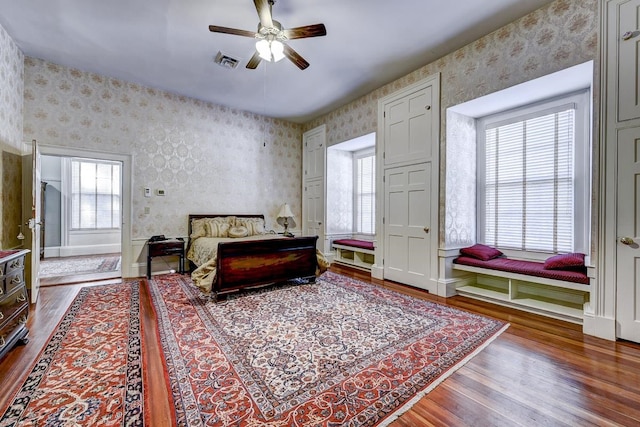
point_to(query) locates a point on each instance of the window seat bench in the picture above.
(561, 294)
(355, 253)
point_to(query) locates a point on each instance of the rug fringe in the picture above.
(408, 405)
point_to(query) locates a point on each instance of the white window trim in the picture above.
(582, 169)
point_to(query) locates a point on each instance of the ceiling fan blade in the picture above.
(315, 30)
(295, 57)
(234, 31)
(264, 12)
(254, 61)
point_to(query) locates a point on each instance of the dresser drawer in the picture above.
(12, 303)
(13, 265)
(13, 280)
(13, 326)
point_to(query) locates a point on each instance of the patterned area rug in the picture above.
(337, 352)
(90, 372)
(66, 266)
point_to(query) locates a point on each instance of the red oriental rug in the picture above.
(337, 352)
(90, 372)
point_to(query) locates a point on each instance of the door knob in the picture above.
(626, 241)
(426, 229)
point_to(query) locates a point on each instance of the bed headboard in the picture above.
(198, 216)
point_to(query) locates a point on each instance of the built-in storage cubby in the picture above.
(354, 257)
(554, 298)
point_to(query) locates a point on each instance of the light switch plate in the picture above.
(147, 192)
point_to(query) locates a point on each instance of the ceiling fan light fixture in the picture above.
(270, 50)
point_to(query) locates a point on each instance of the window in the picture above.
(533, 177)
(95, 195)
(365, 191)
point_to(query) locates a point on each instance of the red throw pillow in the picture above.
(483, 252)
(565, 262)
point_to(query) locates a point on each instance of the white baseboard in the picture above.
(65, 251)
(447, 287)
(600, 327)
(377, 272)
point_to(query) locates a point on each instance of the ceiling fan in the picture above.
(270, 37)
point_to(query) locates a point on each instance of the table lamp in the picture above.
(285, 218)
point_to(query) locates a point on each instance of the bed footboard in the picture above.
(247, 264)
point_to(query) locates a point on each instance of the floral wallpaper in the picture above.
(207, 158)
(11, 89)
(559, 35)
(460, 216)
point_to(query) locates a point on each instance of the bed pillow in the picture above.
(236, 232)
(217, 227)
(198, 228)
(482, 252)
(571, 261)
(253, 225)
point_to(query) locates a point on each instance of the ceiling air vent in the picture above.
(226, 61)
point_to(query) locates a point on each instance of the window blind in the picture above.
(95, 195)
(529, 184)
(365, 194)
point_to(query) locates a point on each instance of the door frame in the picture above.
(127, 194)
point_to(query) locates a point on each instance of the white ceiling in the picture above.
(166, 44)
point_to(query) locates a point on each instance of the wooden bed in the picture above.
(252, 263)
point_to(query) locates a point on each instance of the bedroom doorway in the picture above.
(85, 205)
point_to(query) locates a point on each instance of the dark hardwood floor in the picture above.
(540, 371)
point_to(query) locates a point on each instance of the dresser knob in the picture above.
(2, 342)
(23, 319)
(1, 316)
(15, 280)
(21, 298)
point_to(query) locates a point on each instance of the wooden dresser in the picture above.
(14, 300)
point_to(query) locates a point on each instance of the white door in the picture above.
(408, 228)
(31, 194)
(314, 153)
(314, 210)
(628, 233)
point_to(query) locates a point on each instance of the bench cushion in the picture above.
(362, 244)
(530, 268)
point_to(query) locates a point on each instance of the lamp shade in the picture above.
(285, 215)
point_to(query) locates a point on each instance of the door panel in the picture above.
(628, 60)
(314, 145)
(408, 128)
(628, 233)
(407, 225)
(314, 211)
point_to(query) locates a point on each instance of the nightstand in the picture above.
(169, 247)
